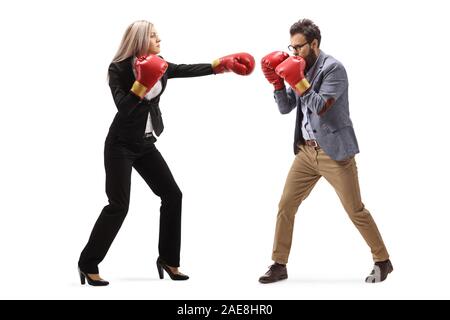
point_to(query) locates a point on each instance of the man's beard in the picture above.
(310, 60)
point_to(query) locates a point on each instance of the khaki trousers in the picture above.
(309, 165)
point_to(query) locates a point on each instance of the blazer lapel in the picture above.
(315, 70)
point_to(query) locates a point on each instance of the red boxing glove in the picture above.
(149, 69)
(241, 63)
(268, 65)
(292, 70)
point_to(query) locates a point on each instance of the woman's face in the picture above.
(154, 42)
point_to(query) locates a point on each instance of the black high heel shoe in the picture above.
(92, 282)
(174, 276)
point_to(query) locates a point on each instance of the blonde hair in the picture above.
(135, 41)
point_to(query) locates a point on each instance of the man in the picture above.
(325, 143)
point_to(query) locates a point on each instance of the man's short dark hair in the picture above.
(307, 28)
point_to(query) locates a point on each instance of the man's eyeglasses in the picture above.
(296, 47)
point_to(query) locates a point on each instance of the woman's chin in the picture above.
(155, 51)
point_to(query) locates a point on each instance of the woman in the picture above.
(137, 78)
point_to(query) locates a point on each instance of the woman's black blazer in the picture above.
(131, 118)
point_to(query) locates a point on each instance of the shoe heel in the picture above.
(82, 277)
(160, 270)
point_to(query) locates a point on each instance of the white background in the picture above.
(228, 147)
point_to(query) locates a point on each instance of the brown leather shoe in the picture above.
(276, 273)
(380, 271)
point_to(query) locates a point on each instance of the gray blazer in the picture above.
(327, 102)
